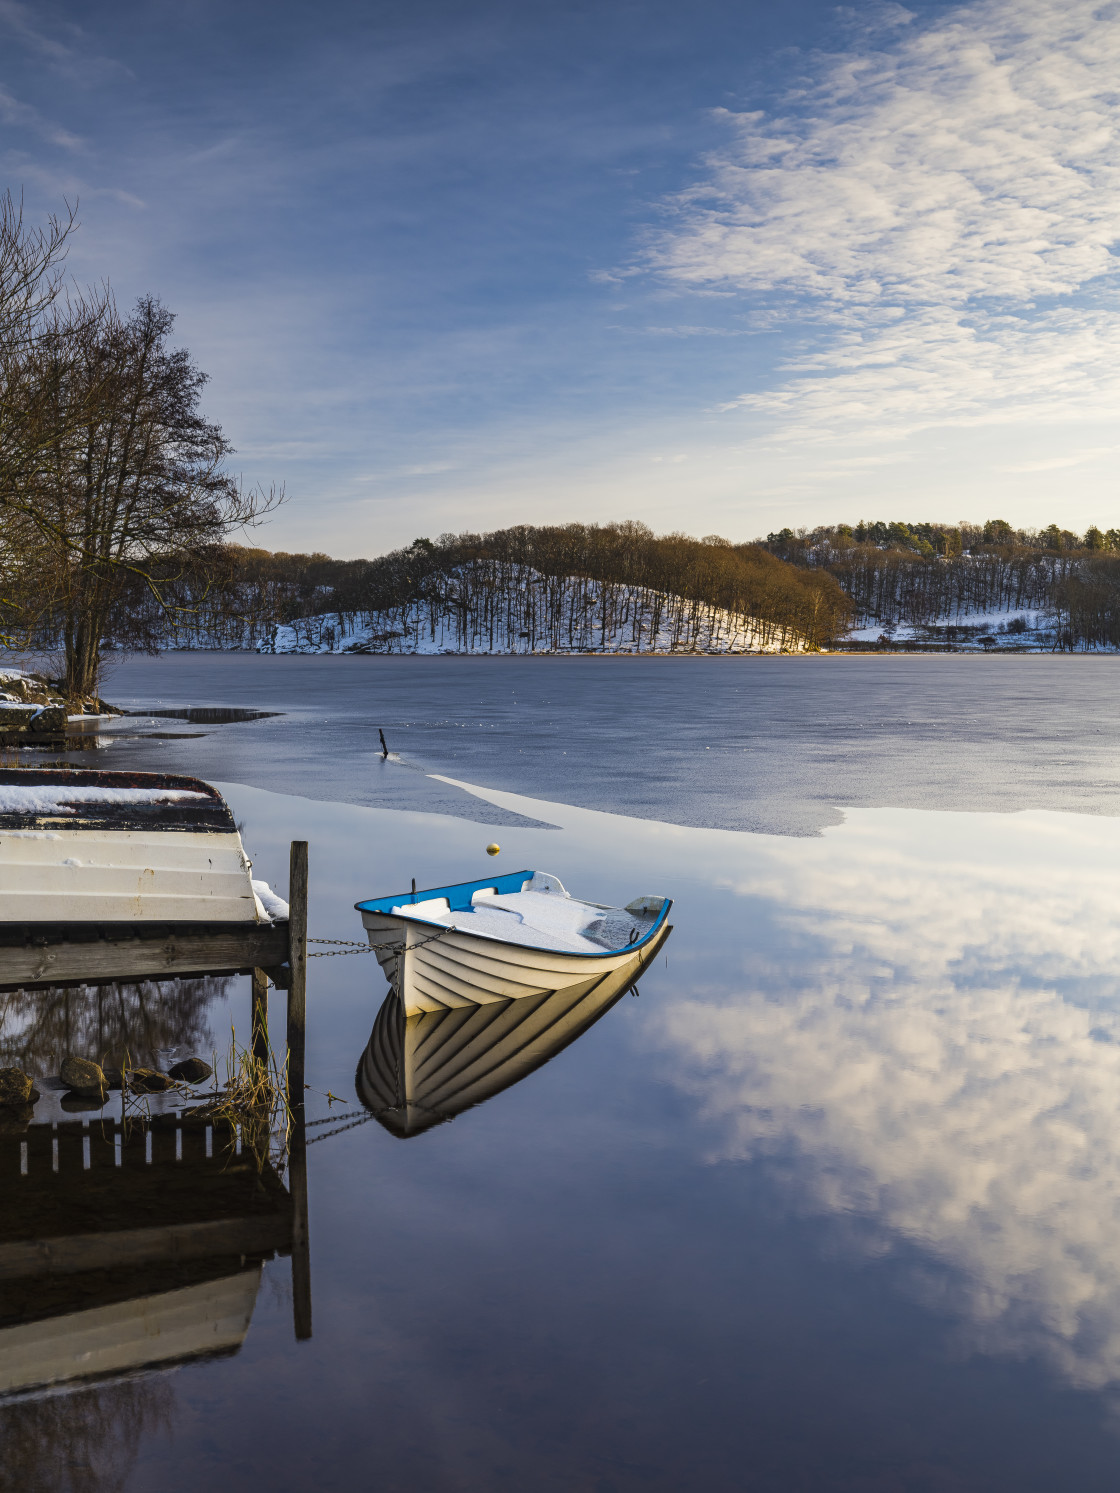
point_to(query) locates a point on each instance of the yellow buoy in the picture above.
(492, 849)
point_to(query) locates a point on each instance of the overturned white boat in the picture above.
(505, 938)
(80, 847)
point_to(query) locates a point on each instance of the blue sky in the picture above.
(721, 267)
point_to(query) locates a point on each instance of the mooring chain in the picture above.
(349, 946)
(326, 1135)
(334, 1119)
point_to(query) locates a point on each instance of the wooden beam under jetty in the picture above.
(91, 953)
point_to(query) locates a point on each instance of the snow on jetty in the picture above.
(543, 614)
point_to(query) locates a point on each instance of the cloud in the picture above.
(12, 111)
(1057, 463)
(75, 59)
(939, 209)
(934, 1038)
(682, 331)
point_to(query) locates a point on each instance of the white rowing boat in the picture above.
(80, 846)
(505, 938)
(420, 1071)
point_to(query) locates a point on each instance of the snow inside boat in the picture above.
(421, 1071)
(79, 846)
(503, 938)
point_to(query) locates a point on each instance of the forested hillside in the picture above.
(927, 575)
(621, 588)
(572, 587)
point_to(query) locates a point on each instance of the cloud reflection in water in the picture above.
(934, 1032)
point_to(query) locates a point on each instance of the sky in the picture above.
(721, 267)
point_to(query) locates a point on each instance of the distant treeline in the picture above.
(925, 573)
(597, 578)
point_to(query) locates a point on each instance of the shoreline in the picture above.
(867, 650)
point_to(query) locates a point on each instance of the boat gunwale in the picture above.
(389, 907)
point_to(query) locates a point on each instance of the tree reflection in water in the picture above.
(85, 1442)
(39, 1027)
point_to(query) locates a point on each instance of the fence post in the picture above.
(297, 961)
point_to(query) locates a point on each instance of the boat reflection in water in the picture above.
(419, 1071)
(129, 1249)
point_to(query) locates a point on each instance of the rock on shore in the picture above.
(190, 1070)
(16, 1089)
(81, 1076)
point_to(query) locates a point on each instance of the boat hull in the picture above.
(124, 876)
(421, 1071)
(444, 970)
(83, 846)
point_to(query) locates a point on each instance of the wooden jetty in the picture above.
(61, 953)
(128, 1245)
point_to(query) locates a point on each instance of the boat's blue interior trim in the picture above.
(458, 896)
(459, 900)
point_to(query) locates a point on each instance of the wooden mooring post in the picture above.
(297, 964)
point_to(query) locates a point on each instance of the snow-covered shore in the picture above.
(1018, 631)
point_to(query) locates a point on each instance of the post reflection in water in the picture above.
(421, 1071)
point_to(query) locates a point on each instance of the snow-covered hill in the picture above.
(540, 615)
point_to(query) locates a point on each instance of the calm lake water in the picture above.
(834, 1204)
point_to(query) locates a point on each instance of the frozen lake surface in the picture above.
(834, 1205)
(776, 745)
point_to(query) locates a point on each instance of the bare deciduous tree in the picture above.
(116, 477)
